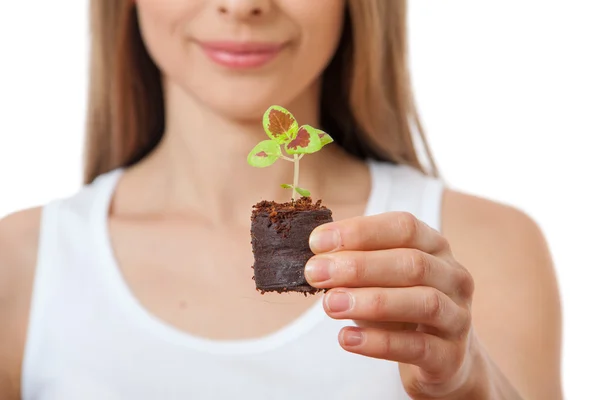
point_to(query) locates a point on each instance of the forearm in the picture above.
(8, 388)
(487, 381)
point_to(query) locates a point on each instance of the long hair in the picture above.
(367, 105)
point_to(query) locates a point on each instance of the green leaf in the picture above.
(286, 186)
(264, 154)
(324, 137)
(306, 141)
(280, 125)
(303, 192)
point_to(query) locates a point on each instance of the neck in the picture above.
(202, 159)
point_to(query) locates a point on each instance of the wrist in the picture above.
(478, 384)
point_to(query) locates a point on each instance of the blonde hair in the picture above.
(367, 104)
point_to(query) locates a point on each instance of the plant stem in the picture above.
(296, 175)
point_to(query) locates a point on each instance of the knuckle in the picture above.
(407, 223)
(385, 346)
(378, 305)
(420, 267)
(444, 243)
(419, 348)
(448, 360)
(356, 267)
(433, 304)
(466, 283)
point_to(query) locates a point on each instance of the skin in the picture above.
(471, 312)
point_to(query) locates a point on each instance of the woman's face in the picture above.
(241, 56)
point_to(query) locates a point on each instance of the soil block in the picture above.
(280, 234)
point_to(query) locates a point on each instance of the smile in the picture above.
(241, 55)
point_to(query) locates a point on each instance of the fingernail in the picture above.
(317, 270)
(338, 301)
(352, 337)
(322, 241)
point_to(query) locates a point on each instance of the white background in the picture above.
(509, 92)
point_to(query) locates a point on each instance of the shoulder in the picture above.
(498, 243)
(18, 246)
(477, 225)
(18, 253)
(516, 306)
(479, 213)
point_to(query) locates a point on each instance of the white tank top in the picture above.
(90, 339)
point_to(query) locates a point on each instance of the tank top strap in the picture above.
(404, 188)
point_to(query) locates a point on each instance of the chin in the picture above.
(244, 106)
(246, 102)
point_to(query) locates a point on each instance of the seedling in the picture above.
(286, 136)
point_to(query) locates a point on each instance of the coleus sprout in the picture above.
(287, 136)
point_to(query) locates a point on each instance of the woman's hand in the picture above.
(397, 278)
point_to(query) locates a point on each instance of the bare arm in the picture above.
(516, 305)
(18, 251)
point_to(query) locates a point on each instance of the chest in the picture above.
(200, 279)
(301, 362)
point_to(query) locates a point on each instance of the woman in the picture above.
(138, 286)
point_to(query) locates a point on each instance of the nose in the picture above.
(244, 9)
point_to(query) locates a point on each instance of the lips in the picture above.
(240, 55)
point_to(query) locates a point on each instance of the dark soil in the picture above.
(280, 233)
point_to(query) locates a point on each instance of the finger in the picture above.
(377, 232)
(394, 326)
(388, 268)
(418, 304)
(438, 358)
